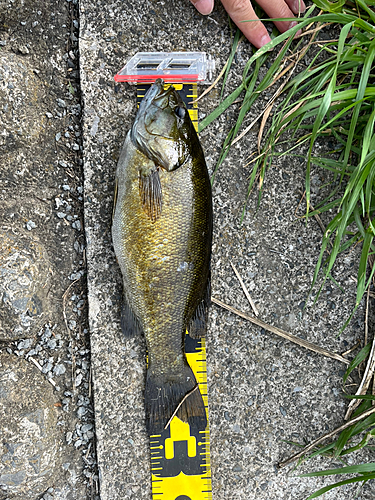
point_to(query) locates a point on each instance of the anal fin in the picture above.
(198, 324)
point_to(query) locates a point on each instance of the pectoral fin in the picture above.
(114, 199)
(151, 194)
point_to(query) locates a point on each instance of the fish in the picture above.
(162, 237)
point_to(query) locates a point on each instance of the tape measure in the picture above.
(180, 455)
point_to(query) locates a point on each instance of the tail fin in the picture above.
(166, 396)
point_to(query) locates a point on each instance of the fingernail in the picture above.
(264, 40)
(292, 24)
(299, 6)
(204, 6)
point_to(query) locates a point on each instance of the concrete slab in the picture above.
(262, 390)
(44, 346)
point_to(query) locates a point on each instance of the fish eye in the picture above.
(180, 112)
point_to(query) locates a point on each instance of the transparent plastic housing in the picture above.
(146, 67)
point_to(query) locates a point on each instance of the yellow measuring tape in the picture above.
(180, 455)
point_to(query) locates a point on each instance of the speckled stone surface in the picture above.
(262, 389)
(31, 440)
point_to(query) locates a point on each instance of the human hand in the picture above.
(242, 10)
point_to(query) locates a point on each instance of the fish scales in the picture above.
(162, 232)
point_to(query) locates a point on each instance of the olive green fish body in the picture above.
(162, 230)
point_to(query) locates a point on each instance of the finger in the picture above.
(296, 6)
(277, 9)
(203, 6)
(242, 10)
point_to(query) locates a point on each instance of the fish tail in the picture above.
(170, 396)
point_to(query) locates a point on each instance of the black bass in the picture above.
(162, 232)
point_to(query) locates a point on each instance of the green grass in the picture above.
(332, 100)
(348, 442)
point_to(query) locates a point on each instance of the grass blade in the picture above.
(340, 483)
(235, 44)
(361, 283)
(350, 469)
(361, 356)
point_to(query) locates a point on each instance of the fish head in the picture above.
(162, 128)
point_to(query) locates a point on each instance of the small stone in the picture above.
(59, 369)
(76, 225)
(75, 276)
(61, 103)
(47, 367)
(59, 202)
(23, 50)
(30, 225)
(49, 115)
(58, 136)
(52, 343)
(282, 411)
(25, 344)
(61, 215)
(81, 411)
(78, 380)
(72, 324)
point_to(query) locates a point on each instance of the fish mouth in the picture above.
(161, 100)
(156, 95)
